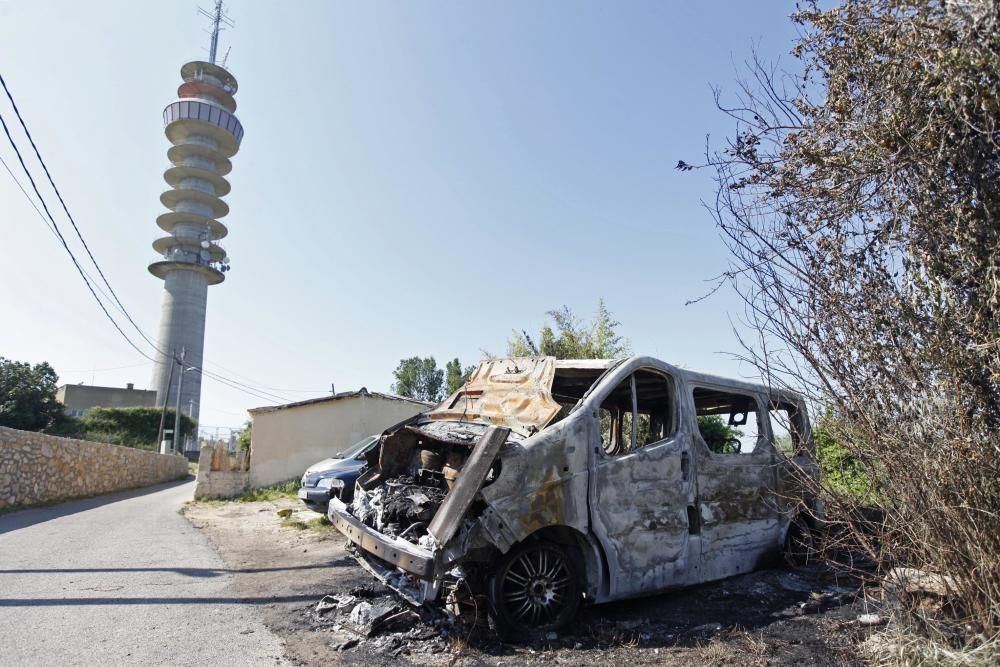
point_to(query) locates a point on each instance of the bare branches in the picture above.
(860, 200)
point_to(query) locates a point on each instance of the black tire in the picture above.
(535, 589)
(799, 549)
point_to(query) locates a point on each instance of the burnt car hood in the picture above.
(515, 393)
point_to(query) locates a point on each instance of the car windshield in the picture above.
(359, 447)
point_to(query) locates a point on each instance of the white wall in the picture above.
(287, 441)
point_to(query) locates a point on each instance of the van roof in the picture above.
(692, 376)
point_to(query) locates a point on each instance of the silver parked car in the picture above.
(544, 484)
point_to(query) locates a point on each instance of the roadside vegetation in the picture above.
(282, 490)
(244, 436)
(320, 524)
(28, 396)
(859, 196)
(28, 402)
(130, 427)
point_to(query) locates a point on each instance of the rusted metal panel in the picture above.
(449, 516)
(543, 482)
(509, 392)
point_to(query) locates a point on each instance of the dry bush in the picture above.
(892, 647)
(735, 647)
(860, 199)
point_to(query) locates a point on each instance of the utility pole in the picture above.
(163, 412)
(177, 406)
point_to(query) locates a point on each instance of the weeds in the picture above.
(292, 522)
(736, 647)
(320, 524)
(282, 490)
(895, 647)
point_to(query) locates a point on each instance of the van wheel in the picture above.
(800, 547)
(534, 589)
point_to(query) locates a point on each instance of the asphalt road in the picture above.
(119, 580)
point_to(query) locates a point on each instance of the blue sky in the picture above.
(417, 178)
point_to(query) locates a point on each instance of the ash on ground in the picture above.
(373, 619)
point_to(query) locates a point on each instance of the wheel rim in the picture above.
(536, 587)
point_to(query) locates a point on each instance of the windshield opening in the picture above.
(358, 447)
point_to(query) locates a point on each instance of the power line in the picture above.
(260, 385)
(62, 240)
(42, 216)
(72, 222)
(54, 227)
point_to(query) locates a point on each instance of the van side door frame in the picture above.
(639, 500)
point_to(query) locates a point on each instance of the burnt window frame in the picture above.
(763, 424)
(673, 407)
(797, 413)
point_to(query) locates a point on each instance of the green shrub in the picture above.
(841, 470)
(244, 436)
(131, 427)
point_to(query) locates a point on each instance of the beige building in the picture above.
(78, 397)
(287, 439)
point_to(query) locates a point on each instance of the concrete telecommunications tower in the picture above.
(205, 133)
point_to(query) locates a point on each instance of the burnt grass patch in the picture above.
(766, 617)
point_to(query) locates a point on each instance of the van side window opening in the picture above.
(729, 422)
(786, 427)
(637, 413)
(568, 387)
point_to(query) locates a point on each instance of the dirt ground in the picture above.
(772, 617)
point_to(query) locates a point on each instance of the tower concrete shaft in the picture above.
(205, 133)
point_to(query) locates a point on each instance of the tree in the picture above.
(244, 436)
(860, 200)
(28, 395)
(456, 376)
(419, 378)
(573, 338)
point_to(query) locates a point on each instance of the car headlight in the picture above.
(330, 483)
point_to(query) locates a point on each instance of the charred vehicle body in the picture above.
(543, 484)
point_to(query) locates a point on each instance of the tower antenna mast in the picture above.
(219, 21)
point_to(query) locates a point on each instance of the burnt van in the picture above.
(545, 484)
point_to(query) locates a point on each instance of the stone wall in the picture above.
(37, 468)
(220, 475)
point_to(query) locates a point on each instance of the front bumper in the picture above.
(396, 552)
(314, 495)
